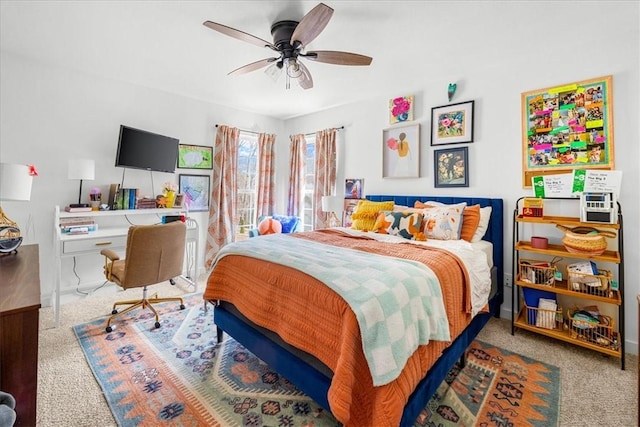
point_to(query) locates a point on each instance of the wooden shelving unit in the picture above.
(561, 287)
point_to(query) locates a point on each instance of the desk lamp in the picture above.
(15, 184)
(81, 169)
(332, 204)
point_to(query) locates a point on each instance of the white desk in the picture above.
(113, 227)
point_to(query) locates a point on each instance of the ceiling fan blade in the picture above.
(311, 25)
(338, 58)
(304, 80)
(253, 66)
(240, 35)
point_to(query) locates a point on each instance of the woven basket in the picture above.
(585, 240)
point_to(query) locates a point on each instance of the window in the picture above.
(309, 184)
(247, 175)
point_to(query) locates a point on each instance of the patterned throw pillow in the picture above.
(364, 217)
(443, 222)
(470, 216)
(403, 224)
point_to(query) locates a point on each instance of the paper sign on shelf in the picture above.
(560, 185)
(596, 181)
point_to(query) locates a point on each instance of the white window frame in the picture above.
(246, 215)
(307, 212)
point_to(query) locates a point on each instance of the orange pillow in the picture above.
(470, 219)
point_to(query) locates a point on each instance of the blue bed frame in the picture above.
(315, 383)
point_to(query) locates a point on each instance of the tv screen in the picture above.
(140, 149)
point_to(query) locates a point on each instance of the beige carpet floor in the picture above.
(595, 391)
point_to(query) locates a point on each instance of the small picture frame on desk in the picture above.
(179, 201)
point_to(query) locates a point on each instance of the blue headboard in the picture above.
(494, 234)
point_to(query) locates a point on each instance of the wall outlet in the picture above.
(508, 282)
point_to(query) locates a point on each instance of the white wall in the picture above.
(51, 114)
(495, 157)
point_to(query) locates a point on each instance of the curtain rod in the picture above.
(310, 133)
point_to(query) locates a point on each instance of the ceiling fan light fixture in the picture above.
(274, 71)
(293, 68)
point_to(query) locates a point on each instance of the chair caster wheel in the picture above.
(114, 311)
(181, 306)
(109, 329)
(173, 282)
(157, 325)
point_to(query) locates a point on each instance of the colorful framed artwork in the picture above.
(567, 127)
(349, 208)
(451, 167)
(353, 188)
(400, 109)
(195, 157)
(195, 189)
(452, 124)
(401, 152)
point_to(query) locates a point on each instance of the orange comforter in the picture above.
(310, 316)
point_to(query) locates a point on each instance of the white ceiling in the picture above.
(163, 45)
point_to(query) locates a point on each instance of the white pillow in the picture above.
(485, 216)
(443, 222)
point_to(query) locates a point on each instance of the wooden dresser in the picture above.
(19, 317)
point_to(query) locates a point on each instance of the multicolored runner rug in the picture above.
(178, 375)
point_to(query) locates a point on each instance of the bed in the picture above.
(311, 369)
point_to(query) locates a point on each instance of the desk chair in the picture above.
(154, 254)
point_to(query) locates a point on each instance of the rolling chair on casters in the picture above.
(154, 254)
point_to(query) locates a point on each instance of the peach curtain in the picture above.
(266, 203)
(296, 177)
(325, 178)
(222, 209)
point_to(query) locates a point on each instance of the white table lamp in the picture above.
(15, 184)
(332, 205)
(81, 169)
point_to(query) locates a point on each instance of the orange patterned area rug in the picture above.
(178, 375)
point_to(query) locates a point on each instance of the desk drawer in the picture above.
(94, 244)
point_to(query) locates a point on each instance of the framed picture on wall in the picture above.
(195, 190)
(195, 157)
(353, 188)
(452, 124)
(401, 152)
(451, 167)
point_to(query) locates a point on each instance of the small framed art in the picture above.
(195, 191)
(349, 208)
(401, 152)
(353, 188)
(452, 124)
(179, 201)
(451, 167)
(401, 109)
(195, 157)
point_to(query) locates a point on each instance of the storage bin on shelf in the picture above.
(593, 327)
(537, 272)
(544, 318)
(592, 284)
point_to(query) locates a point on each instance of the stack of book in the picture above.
(77, 225)
(146, 203)
(127, 198)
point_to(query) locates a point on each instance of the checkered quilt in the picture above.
(398, 302)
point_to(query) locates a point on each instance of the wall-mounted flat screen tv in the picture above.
(140, 149)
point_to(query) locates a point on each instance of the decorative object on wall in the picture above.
(451, 167)
(452, 124)
(567, 127)
(349, 208)
(401, 152)
(451, 90)
(353, 188)
(401, 109)
(195, 189)
(195, 157)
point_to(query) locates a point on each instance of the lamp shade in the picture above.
(15, 182)
(332, 204)
(81, 169)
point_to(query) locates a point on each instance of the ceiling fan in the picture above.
(289, 40)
